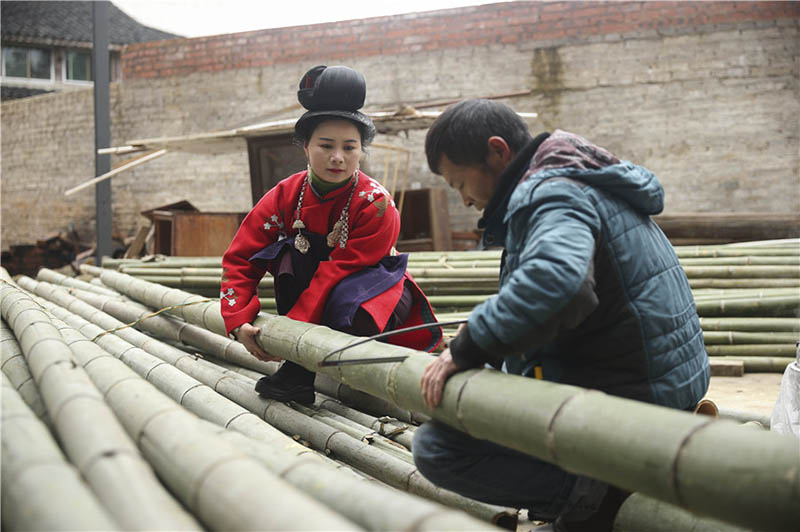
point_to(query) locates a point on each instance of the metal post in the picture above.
(102, 128)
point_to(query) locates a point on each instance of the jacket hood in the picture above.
(567, 155)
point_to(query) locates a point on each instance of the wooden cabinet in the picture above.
(194, 234)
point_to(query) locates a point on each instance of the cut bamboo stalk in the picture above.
(569, 427)
(744, 283)
(16, 370)
(748, 260)
(50, 276)
(358, 454)
(740, 272)
(739, 337)
(41, 490)
(281, 460)
(755, 350)
(89, 432)
(752, 324)
(781, 306)
(761, 364)
(402, 433)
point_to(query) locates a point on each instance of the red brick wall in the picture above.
(502, 23)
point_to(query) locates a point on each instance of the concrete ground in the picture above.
(753, 392)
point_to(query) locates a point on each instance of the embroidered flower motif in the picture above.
(376, 190)
(228, 295)
(276, 222)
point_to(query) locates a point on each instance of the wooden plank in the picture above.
(135, 249)
(726, 368)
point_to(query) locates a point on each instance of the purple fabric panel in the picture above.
(357, 288)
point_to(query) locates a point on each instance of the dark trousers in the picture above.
(488, 472)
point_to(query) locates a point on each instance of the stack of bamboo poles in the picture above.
(748, 296)
(143, 419)
(672, 459)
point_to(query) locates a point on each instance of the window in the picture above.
(79, 65)
(34, 63)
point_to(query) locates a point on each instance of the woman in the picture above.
(326, 235)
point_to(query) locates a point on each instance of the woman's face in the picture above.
(334, 150)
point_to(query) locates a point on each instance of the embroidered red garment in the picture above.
(374, 227)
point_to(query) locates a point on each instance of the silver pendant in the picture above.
(335, 235)
(301, 243)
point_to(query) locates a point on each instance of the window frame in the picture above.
(65, 62)
(28, 78)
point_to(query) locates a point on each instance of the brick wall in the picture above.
(501, 23)
(705, 94)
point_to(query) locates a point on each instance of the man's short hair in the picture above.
(461, 132)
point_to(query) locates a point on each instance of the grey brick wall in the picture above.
(712, 110)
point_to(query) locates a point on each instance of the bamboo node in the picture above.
(152, 315)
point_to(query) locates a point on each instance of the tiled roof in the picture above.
(71, 21)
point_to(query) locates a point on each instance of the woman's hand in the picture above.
(246, 334)
(434, 377)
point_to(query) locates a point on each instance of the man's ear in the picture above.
(499, 153)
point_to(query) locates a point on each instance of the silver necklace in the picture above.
(340, 231)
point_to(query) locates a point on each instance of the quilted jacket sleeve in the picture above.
(548, 279)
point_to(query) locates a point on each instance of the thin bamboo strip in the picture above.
(790, 260)
(358, 454)
(50, 276)
(357, 431)
(744, 283)
(41, 490)
(386, 426)
(570, 427)
(729, 251)
(744, 293)
(86, 427)
(740, 272)
(739, 337)
(16, 370)
(762, 364)
(752, 324)
(285, 455)
(754, 350)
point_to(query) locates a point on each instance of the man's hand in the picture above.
(246, 334)
(434, 377)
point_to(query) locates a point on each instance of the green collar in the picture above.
(323, 188)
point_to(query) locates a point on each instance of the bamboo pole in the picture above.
(285, 458)
(751, 324)
(41, 490)
(50, 276)
(742, 416)
(780, 306)
(359, 454)
(744, 283)
(761, 364)
(569, 427)
(739, 337)
(16, 370)
(89, 432)
(754, 350)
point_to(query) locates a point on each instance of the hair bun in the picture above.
(325, 88)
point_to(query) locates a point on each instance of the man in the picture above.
(591, 294)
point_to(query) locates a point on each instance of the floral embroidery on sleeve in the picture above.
(229, 296)
(376, 192)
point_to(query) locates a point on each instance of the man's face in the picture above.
(475, 183)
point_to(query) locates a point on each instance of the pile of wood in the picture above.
(125, 406)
